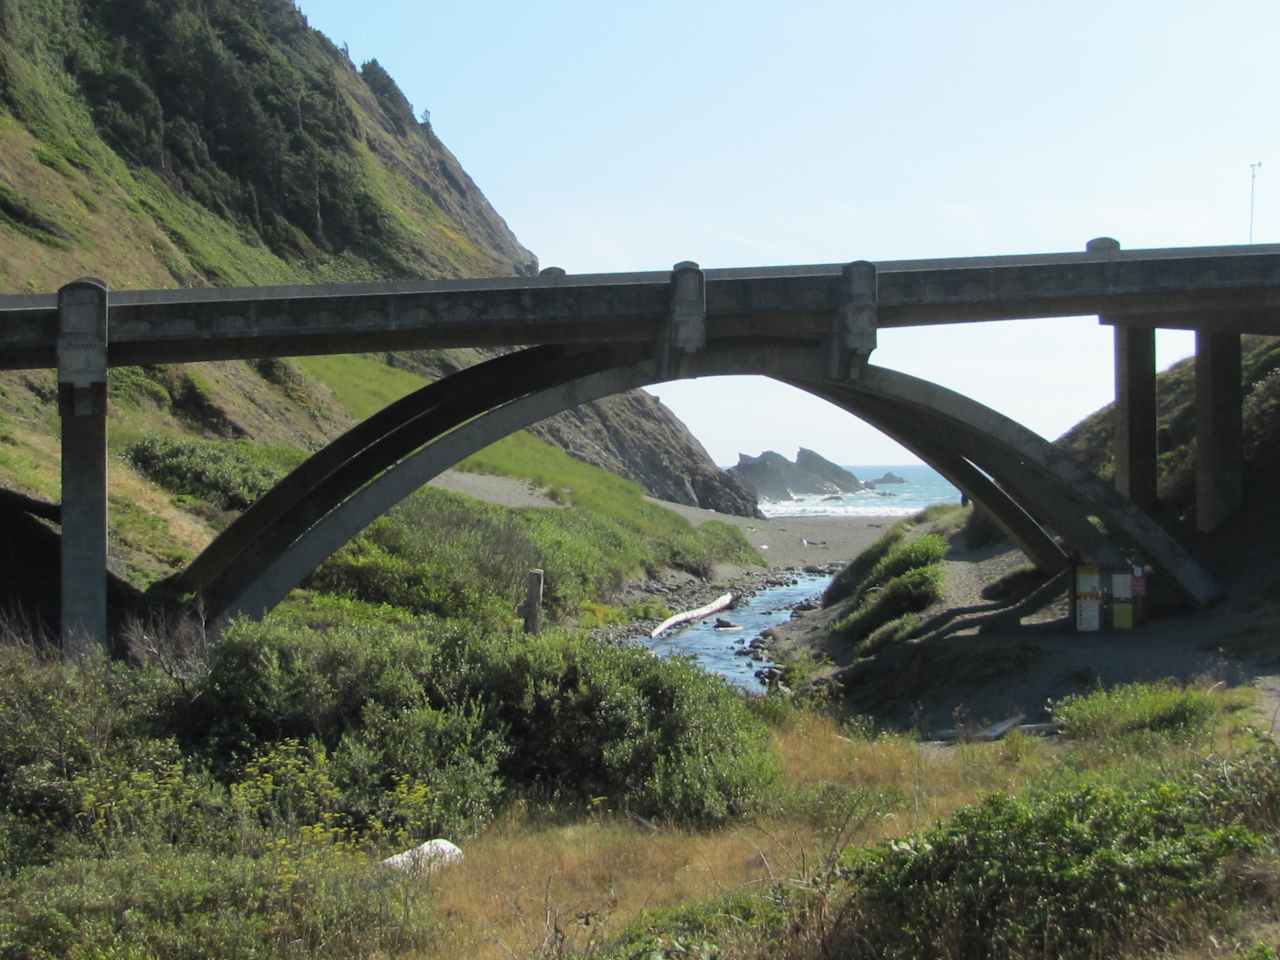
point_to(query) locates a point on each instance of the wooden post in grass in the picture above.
(532, 608)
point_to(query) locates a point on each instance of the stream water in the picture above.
(716, 650)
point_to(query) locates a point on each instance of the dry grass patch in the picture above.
(529, 889)
(523, 887)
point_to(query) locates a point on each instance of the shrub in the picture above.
(444, 554)
(226, 474)
(309, 898)
(899, 628)
(1066, 874)
(451, 707)
(58, 721)
(847, 581)
(909, 592)
(920, 552)
(588, 719)
(1159, 707)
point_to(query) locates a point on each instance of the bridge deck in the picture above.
(1220, 288)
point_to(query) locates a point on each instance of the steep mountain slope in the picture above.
(216, 142)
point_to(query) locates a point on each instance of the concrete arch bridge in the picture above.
(586, 337)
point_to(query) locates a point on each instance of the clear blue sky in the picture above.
(630, 137)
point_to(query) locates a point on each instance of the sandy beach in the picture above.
(786, 542)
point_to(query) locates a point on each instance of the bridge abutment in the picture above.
(82, 404)
(1219, 429)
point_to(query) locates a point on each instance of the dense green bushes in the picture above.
(554, 713)
(228, 475)
(1066, 874)
(845, 583)
(1130, 708)
(893, 579)
(307, 898)
(390, 734)
(240, 805)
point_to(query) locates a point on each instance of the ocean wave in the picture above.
(800, 508)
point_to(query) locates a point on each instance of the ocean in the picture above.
(924, 487)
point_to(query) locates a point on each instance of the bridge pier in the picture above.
(1219, 429)
(1135, 413)
(1134, 444)
(685, 332)
(853, 333)
(82, 405)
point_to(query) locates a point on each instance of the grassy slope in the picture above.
(1092, 439)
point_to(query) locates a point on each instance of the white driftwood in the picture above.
(714, 606)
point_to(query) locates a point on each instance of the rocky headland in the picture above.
(771, 476)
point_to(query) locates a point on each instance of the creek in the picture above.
(716, 650)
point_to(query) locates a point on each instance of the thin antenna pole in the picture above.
(1253, 179)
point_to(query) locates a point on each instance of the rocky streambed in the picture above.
(733, 643)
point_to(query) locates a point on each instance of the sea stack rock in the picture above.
(769, 476)
(773, 477)
(889, 477)
(813, 465)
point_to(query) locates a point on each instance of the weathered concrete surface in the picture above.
(1053, 484)
(1173, 287)
(829, 312)
(1219, 429)
(1135, 406)
(82, 404)
(1135, 412)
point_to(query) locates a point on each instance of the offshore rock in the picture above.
(773, 477)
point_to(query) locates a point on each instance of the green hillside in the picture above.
(1092, 439)
(219, 143)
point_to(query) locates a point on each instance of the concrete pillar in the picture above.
(1135, 413)
(1219, 435)
(854, 335)
(1134, 444)
(82, 403)
(685, 332)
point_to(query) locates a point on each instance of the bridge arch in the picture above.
(1026, 482)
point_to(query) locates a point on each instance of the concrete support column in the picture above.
(82, 403)
(1219, 434)
(1135, 437)
(1134, 445)
(685, 332)
(854, 335)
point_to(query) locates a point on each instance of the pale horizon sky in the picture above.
(750, 133)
